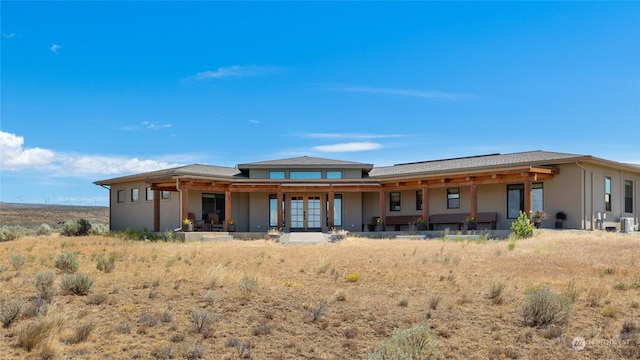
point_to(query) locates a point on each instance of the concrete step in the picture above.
(303, 238)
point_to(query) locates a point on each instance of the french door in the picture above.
(305, 213)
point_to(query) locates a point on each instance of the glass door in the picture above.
(305, 213)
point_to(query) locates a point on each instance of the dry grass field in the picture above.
(32, 215)
(264, 300)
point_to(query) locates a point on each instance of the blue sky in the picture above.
(95, 90)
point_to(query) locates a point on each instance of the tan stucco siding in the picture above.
(258, 212)
(352, 211)
(139, 215)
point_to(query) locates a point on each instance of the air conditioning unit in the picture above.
(626, 225)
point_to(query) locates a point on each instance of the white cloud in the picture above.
(15, 157)
(154, 125)
(433, 95)
(54, 48)
(8, 36)
(253, 121)
(348, 147)
(234, 71)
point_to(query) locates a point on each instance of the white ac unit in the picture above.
(626, 225)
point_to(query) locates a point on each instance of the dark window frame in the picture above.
(395, 204)
(607, 193)
(120, 198)
(628, 196)
(148, 194)
(135, 195)
(451, 198)
(418, 199)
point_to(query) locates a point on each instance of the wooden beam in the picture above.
(474, 202)
(227, 209)
(383, 206)
(279, 197)
(156, 210)
(330, 215)
(425, 205)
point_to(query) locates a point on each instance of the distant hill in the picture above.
(35, 214)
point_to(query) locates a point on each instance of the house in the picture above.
(315, 194)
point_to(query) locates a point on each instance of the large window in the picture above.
(135, 195)
(305, 175)
(337, 210)
(394, 201)
(120, 196)
(273, 210)
(276, 174)
(419, 200)
(607, 193)
(453, 198)
(628, 196)
(334, 174)
(148, 194)
(537, 201)
(515, 199)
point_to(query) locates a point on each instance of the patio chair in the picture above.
(214, 221)
(198, 225)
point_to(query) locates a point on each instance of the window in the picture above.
(419, 200)
(148, 194)
(453, 198)
(537, 202)
(273, 210)
(304, 175)
(394, 203)
(607, 193)
(120, 196)
(628, 196)
(334, 174)
(134, 194)
(515, 200)
(165, 195)
(276, 174)
(337, 210)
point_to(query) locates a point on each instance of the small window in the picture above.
(607, 193)
(394, 203)
(276, 174)
(334, 174)
(419, 200)
(120, 196)
(165, 195)
(134, 195)
(628, 196)
(453, 198)
(148, 194)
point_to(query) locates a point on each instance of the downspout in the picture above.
(584, 197)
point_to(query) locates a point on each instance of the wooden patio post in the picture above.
(227, 208)
(330, 215)
(156, 210)
(528, 201)
(383, 206)
(474, 203)
(425, 205)
(185, 205)
(279, 197)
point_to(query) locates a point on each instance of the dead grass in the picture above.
(356, 317)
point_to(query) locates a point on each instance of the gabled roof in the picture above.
(305, 162)
(474, 163)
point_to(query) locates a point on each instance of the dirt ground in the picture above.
(32, 215)
(155, 288)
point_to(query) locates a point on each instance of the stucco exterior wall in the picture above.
(139, 215)
(258, 212)
(352, 211)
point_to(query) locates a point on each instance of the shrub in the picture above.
(200, 320)
(79, 227)
(210, 298)
(193, 351)
(44, 229)
(9, 233)
(106, 265)
(544, 307)
(10, 311)
(413, 343)
(78, 284)
(610, 311)
(32, 334)
(314, 312)
(44, 282)
(99, 229)
(81, 333)
(522, 228)
(629, 328)
(67, 262)
(512, 244)
(596, 296)
(162, 352)
(261, 329)
(434, 301)
(243, 349)
(1, 270)
(496, 289)
(324, 265)
(248, 286)
(353, 277)
(17, 261)
(96, 299)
